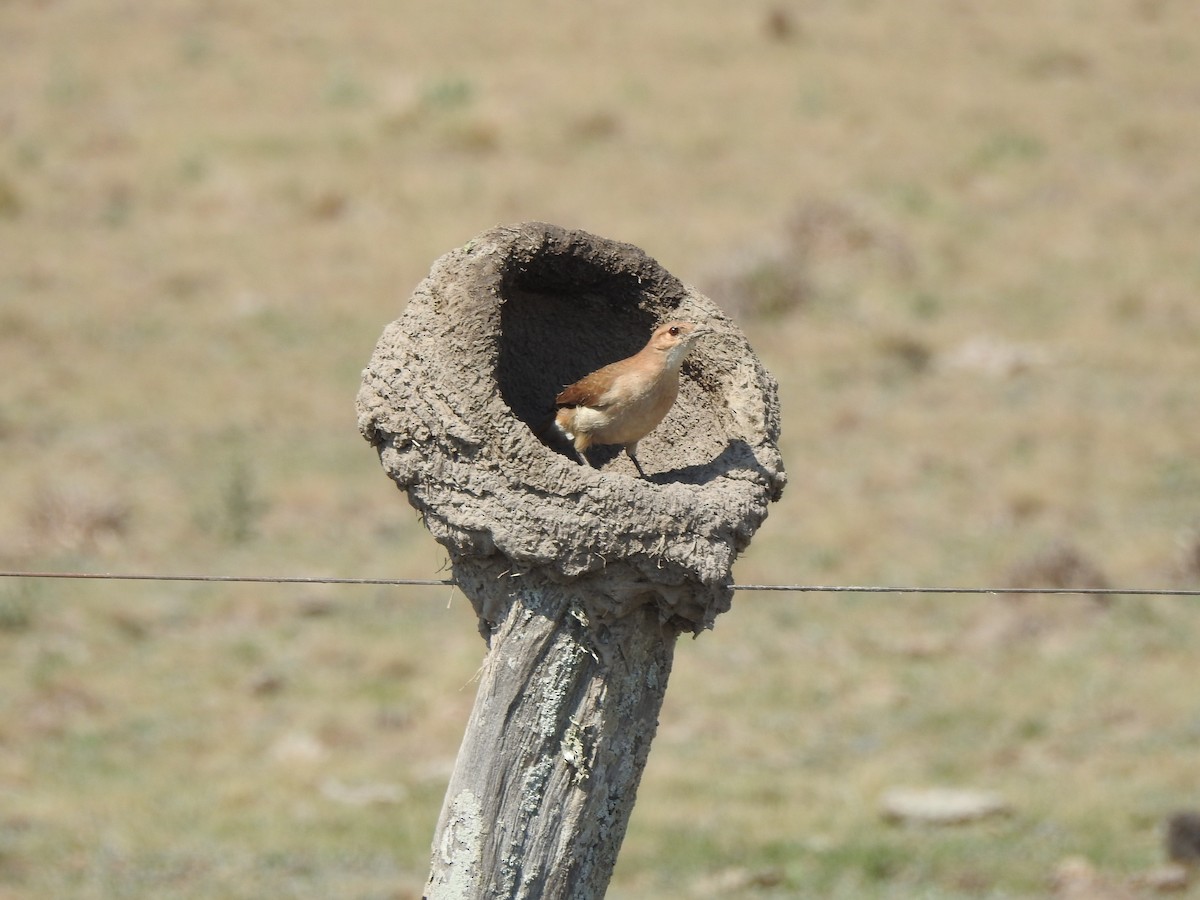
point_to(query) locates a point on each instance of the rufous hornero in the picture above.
(626, 400)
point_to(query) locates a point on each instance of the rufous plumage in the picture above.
(626, 400)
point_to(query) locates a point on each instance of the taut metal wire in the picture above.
(447, 582)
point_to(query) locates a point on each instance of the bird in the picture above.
(626, 400)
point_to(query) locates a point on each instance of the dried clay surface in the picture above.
(460, 390)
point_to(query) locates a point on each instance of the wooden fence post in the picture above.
(582, 578)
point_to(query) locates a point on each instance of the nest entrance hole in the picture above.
(554, 329)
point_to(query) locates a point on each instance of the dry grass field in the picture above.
(965, 238)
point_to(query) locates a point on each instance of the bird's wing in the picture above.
(590, 390)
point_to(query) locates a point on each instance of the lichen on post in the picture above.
(582, 578)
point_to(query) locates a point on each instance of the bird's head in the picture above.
(676, 339)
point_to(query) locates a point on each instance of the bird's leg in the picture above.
(580, 446)
(631, 450)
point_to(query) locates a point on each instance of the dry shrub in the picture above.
(61, 520)
(1187, 567)
(1061, 565)
(779, 24)
(765, 282)
(1183, 838)
(822, 249)
(1051, 620)
(824, 232)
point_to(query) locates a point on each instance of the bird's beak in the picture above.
(700, 331)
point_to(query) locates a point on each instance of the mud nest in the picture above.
(460, 390)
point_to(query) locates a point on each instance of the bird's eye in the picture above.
(673, 331)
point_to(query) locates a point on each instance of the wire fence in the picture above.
(449, 582)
